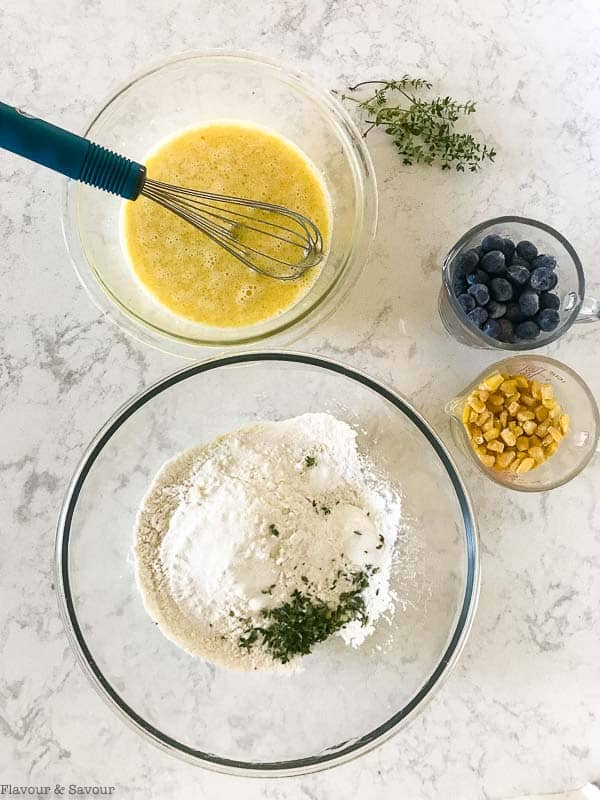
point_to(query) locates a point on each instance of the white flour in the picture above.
(230, 530)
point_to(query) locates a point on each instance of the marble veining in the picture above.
(521, 711)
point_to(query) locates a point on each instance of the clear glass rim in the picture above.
(363, 233)
(534, 223)
(304, 765)
(495, 476)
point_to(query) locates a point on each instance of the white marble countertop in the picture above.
(521, 713)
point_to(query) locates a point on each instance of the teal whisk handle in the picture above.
(69, 154)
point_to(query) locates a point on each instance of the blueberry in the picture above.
(466, 302)
(493, 262)
(467, 262)
(501, 290)
(518, 261)
(513, 313)
(549, 300)
(518, 274)
(492, 242)
(527, 250)
(548, 319)
(543, 279)
(479, 276)
(459, 284)
(478, 316)
(529, 303)
(492, 328)
(544, 261)
(507, 333)
(527, 330)
(495, 310)
(508, 248)
(480, 292)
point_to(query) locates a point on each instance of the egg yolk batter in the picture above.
(185, 270)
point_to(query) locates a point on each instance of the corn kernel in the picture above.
(474, 416)
(514, 466)
(523, 414)
(503, 460)
(549, 402)
(523, 443)
(508, 437)
(536, 389)
(542, 429)
(565, 424)
(547, 391)
(551, 449)
(503, 417)
(518, 430)
(508, 387)
(522, 382)
(555, 413)
(483, 394)
(525, 466)
(513, 409)
(537, 453)
(476, 404)
(488, 424)
(496, 446)
(493, 433)
(547, 440)
(528, 401)
(555, 433)
(488, 460)
(513, 398)
(535, 441)
(529, 427)
(492, 382)
(496, 400)
(483, 417)
(541, 413)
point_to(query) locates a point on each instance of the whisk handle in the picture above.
(69, 154)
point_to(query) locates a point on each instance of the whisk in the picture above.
(283, 243)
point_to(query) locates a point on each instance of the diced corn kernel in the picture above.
(535, 441)
(537, 453)
(503, 460)
(547, 440)
(523, 443)
(492, 382)
(547, 391)
(513, 398)
(488, 424)
(529, 427)
(483, 417)
(503, 417)
(565, 424)
(493, 433)
(513, 409)
(551, 449)
(488, 460)
(521, 456)
(474, 416)
(541, 413)
(536, 389)
(478, 438)
(518, 430)
(466, 413)
(549, 402)
(513, 466)
(555, 413)
(508, 387)
(483, 394)
(525, 465)
(528, 401)
(496, 446)
(555, 433)
(476, 404)
(509, 438)
(496, 400)
(542, 429)
(524, 414)
(522, 382)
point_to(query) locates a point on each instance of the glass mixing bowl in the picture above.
(190, 90)
(344, 701)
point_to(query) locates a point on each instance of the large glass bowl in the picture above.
(190, 90)
(344, 701)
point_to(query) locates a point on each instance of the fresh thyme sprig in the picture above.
(422, 130)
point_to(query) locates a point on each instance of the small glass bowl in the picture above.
(575, 450)
(190, 90)
(574, 307)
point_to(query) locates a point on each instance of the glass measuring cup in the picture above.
(574, 307)
(577, 447)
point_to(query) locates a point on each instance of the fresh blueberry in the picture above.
(459, 284)
(501, 290)
(480, 292)
(507, 333)
(495, 310)
(466, 302)
(492, 328)
(544, 261)
(508, 248)
(543, 279)
(529, 303)
(492, 242)
(513, 313)
(479, 276)
(494, 262)
(527, 330)
(549, 300)
(467, 262)
(518, 261)
(527, 250)
(478, 316)
(548, 319)
(518, 274)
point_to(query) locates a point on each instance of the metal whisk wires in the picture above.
(272, 240)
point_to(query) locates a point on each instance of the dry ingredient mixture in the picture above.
(514, 423)
(252, 549)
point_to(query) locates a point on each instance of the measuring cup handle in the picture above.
(589, 311)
